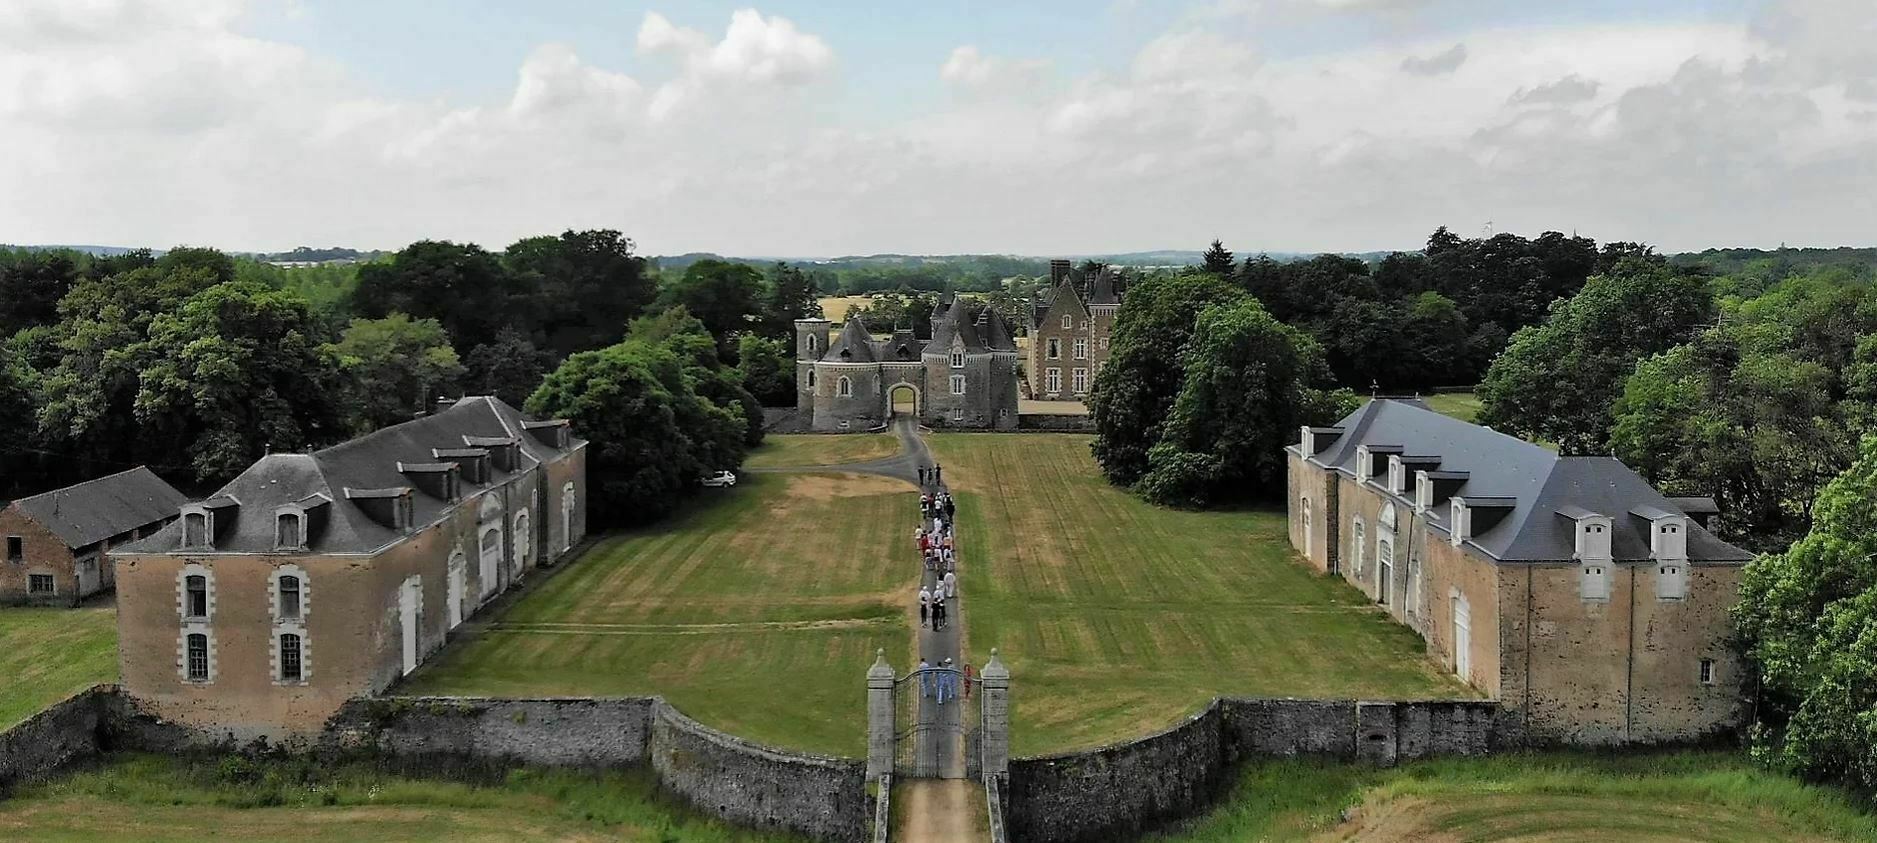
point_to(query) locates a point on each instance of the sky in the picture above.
(833, 127)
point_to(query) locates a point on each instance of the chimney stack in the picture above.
(1058, 270)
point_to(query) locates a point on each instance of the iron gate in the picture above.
(936, 738)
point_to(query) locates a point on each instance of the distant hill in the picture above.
(100, 251)
(330, 253)
(1778, 262)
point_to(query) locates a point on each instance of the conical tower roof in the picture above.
(854, 345)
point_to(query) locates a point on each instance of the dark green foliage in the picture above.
(463, 287)
(726, 297)
(1809, 620)
(1246, 390)
(768, 370)
(1558, 381)
(576, 291)
(792, 294)
(888, 312)
(1135, 391)
(31, 284)
(706, 374)
(392, 369)
(1218, 260)
(509, 367)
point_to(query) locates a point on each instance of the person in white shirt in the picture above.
(925, 604)
(951, 585)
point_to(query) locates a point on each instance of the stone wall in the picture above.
(1126, 789)
(1063, 423)
(756, 786)
(552, 732)
(41, 745)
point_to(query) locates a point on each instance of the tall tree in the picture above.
(577, 291)
(31, 283)
(726, 297)
(1558, 381)
(392, 368)
(1218, 260)
(792, 295)
(463, 287)
(1135, 390)
(508, 367)
(705, 373)
(768, 370)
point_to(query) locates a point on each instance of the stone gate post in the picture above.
(994, 729)
(879, 717)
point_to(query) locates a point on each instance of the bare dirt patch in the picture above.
(831, 486)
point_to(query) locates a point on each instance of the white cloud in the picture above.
(967, 67)
(1445, 61)
(755, 51)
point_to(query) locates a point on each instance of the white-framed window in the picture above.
(1080, 381)
(524, 540)
(289, 531)
(1104, 343)
(1052, 380)
(42, 584)
(844, 388)
(1384, 565)
(195, 593)
(567, 514)
(195, 661)
(811, 379)
(958, 359)
(1081, 348)
(814, 343)
(1054, 347)
(1358, 544)
(491, 558)
(1595, 581)
(1303, 518)
(1068, 320)
(1671, 581)
(291, 595)
(1707, 671)
(197, 529)
(1462, 635)
(958, 384)
(290, 656)
(958, 415)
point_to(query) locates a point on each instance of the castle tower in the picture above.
(811, 341)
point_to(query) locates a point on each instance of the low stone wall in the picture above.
(1121, 790)
(551, 732)
(1056, 423)
(45, 743)
(1126, 789)
(756, 786)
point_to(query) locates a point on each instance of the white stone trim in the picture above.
(182, 653)
(488, 573)
(523, 541)
(306, 655)
(193, 569)
(567, 516)
(273, 594)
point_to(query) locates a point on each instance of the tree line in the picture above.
(196, 362)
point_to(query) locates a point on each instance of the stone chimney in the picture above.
(1058, 270)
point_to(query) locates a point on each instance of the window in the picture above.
(1303, 510)
(813, 344)
(1596, 582)
(197, 660)
(1707, 671)
(1671, 581)
(844, 388)
(1081, 348)
(1104, 344)
(1055, 349)
(289, 598)
(288, 534)
(491, 557)
(1081, 381)
(567, 512)
(1068, 320)
(1052, 380)
(41, 584)
(524, 540)
(1357, 547)
(195, 529)
(289, 657)
(16, 549)
(958, 384)
(811, 379)
(196, 596)
(958, 359)
(1384, 565)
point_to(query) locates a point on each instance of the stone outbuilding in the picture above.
(59, 543)
(1593, 608)
(1070, 331)
(315, 578)
(963, 376)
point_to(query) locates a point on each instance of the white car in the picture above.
(719, 479)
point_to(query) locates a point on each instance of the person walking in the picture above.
(938, 474)
(951, 585)
(938, 612)
(951, 508)
(925, 678)
(925, 604)
(970, 678)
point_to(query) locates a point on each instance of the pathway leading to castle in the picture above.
(940, 809)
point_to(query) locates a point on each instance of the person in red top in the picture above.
(970, 679)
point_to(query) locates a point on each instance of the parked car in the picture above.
(719, 479)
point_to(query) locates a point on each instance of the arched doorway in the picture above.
(903, 399)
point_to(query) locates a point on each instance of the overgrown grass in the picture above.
(1460, 405)
(47, 655)
(757, 612)
(148, 797)
(821, 449)
(1683, 796)
(1116, 617)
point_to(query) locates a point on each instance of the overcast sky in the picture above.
(824, 127)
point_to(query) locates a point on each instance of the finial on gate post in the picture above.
(880, 667)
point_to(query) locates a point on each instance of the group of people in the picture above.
(934, 537)
(933, 475)
(945, 683)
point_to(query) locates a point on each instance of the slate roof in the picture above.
(854, 345)
(996, 332)
(957, 324)
(1065, 287)
(95, 510)
(367, 467)
(1103, 290)
(902, 347)
(1542, 484)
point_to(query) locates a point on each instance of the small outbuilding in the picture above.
(58, 543)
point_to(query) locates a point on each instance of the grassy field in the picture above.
(1116, 618)
(757, 611)
(145, 797)
(1460, 405)
(816, 449)
(1713, 797)
(47, 655)
(835, 308)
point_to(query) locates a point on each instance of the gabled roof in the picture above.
(96, 510)
(1103, 291)
(996, 332)
(1065, 294)
(854, 345)
(1542, 484)
(362, 468)
(902, 347)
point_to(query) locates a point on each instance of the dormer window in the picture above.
(289, 531)
(196, 529)
(1397, 475)
(958, 359)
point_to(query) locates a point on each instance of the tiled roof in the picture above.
(1547, 488)
(364, 468)
(98, 509)
(854, 345)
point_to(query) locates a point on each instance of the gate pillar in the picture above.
(994, 727)
(879, 718)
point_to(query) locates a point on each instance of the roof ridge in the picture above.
(83, 483)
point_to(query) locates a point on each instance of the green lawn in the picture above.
(821, 449)
(757, 611)
(147, 797)
(1715, 797)
(1460, 405)
(47, 655)
(1117, 618)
